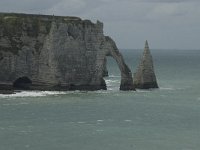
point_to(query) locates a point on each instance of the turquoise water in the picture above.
(164, 119)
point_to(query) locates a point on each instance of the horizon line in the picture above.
(156, 49)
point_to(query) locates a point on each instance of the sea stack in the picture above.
(145, 77)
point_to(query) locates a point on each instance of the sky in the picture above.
(166, 24)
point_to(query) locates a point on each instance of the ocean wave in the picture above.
(14, 104)
(128, 120)
(112, 85)
(159, 89)
(99, 130)
(156, 89)
(114, 76)
(174, 88)
(32, 94)
(167, 88)
(142, 91)
(112, 81)
(100, 120)
(81, 122)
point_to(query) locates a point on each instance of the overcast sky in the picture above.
(166, 24)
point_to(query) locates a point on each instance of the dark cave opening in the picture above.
(22, 83)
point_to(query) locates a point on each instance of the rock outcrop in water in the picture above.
(145, 78)
(40, 52)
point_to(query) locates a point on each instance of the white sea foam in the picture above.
(100, 120)
(15, 104)
(80, 122)
(112, 89)
(99, 130)
(160, 88)
(113, 76)
(127, 120)
(166, 88)
(112, 85)
(174, 88)
(99, 92)
(32, 94)
(108, 81)
(142, 91)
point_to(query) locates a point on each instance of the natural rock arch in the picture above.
(22, 83)
(126, 75)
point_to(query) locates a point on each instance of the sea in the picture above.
(167, 118)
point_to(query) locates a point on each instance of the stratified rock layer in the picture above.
(39, 52)
(145, 77)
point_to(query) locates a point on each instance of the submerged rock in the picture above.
(41, 52)
(145, 77)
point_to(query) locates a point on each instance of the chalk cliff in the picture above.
(41, 52)
(145, 77)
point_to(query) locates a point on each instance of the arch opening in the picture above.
(112, 74)
(22, 83)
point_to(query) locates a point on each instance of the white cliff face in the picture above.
(145, 78)
(56, 53)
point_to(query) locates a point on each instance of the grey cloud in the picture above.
(28, 6)
(129, 22)
(166, 1)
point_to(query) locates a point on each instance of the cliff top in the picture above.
(14, 25)
(42, 17)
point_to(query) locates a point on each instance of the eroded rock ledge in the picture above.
(40, 52)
